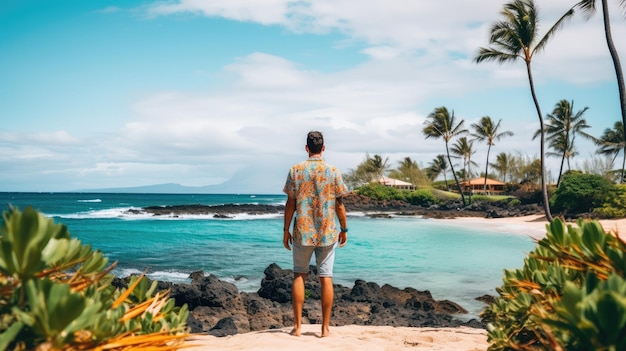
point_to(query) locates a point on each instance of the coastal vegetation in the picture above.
(56, 294)
(569, 294)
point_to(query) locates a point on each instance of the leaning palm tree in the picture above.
(486, 130)
(437, 167)
(441, 124)
(561, 130)
(589, 6)
(515, 37)
(611, 143)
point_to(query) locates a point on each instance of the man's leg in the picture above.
(297, 300)
(328, 295)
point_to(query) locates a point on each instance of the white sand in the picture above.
(533, 226)
(349, 338)
(375, 338)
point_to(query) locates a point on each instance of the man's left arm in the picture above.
(340, 210)
(290, 209)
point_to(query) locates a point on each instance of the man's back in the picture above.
(315, 185)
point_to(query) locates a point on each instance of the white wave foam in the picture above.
(119, 212)
(165, 276)
(92, 200)
(133, 213)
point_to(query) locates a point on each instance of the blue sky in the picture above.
(99, 94)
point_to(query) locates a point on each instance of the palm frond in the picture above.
(546, 37)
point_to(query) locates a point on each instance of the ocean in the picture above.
(453, 262)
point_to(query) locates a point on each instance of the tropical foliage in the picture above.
(409, 171)
(569, 294)
(581, 193)
(561, 130)
(439, 166)
(416, 197)
(56, 294)
(614, 205)
(611, 143)
(370, 170)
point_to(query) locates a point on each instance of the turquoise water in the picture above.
(452, 262)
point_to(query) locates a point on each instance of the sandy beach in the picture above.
(533, 226)
(348, 338)
(385, 338)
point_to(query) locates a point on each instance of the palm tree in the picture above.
(441, 124)
(464, 149)
(377, 166)
(437, 167)
(504, 163)
(486, 130)
(611, 143)
(514, 38)
(561, 129)
(564, 149)
(589, 6)
(409, 170)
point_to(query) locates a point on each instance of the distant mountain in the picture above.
(168, 188)
(244, 182)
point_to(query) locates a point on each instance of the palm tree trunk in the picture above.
(456, 179)
(623, 164)
(618, 72)
(558, 181)
(468, 177)
(544, 187)
(486, 169)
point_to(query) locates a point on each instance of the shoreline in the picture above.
(533, 225)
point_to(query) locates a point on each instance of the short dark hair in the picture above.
(315, 141)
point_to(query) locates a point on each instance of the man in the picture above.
(314, 190)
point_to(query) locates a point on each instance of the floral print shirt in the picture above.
(315, 185)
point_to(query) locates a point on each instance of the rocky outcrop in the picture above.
(450, 209)
(358, 203)
(218, 308)
(218, 211)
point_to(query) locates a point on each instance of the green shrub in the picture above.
(514, 202)
(421, 197)
(614, 205)
(569, 294)
(581, 193)
(380, 192)
(55, 294)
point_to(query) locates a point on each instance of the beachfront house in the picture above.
(477, 186)
(396, 183)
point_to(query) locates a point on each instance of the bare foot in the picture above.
(295, 332)
(325, 332)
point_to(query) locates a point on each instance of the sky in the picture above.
(112, 94)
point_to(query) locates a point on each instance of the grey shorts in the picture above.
(324, 259)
